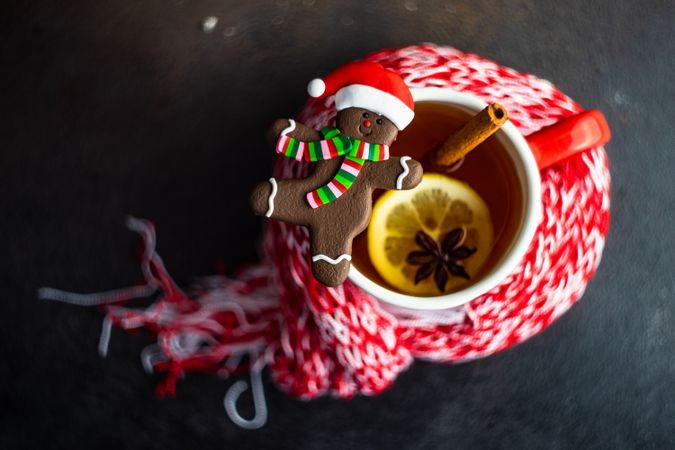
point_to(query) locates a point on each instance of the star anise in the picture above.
(440, 260)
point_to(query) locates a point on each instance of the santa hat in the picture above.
(370, 86)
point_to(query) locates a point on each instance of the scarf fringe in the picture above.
(225, 327)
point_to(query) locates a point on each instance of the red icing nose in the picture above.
(366, 123)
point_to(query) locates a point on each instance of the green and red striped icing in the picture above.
(333, 145)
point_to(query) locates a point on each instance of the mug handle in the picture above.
(571, 135)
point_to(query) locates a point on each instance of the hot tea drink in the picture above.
(488, 170)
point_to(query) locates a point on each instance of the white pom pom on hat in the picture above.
(316, 87)
(367, 85)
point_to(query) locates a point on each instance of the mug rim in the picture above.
(531, 182)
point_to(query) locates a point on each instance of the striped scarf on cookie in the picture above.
(333, 145)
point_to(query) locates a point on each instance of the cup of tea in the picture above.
(503, 171)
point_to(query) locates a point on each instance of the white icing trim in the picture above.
(332, 261)
(289, 128)
(270, 199)
(406, 171)
(375, 100)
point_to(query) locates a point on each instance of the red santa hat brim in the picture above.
(375, 100)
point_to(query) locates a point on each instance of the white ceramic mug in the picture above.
(527, 172)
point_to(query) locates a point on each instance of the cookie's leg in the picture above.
(331, 255)
(281, 200)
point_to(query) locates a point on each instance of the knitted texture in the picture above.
(341, 341)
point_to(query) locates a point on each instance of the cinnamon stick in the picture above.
(476, 130)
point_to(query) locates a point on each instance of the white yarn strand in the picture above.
(98, 298)
(104, 340)
(230, 402)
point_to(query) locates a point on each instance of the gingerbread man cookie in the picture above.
(352, 159)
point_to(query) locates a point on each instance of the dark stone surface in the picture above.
(117, 107)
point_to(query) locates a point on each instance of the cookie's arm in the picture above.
(293, 129)
(295, 140)
(395, 173)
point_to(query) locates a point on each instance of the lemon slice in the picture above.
(437, 206)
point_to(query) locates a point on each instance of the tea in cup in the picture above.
(502, 172)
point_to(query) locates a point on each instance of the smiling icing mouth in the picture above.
(363, 132)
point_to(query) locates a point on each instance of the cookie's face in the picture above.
(367, 126)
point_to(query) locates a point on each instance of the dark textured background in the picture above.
(112, 107)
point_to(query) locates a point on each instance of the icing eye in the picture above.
(379, 121)
(366, 115)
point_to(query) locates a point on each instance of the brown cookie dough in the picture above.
(333, 226)
(352, 160)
